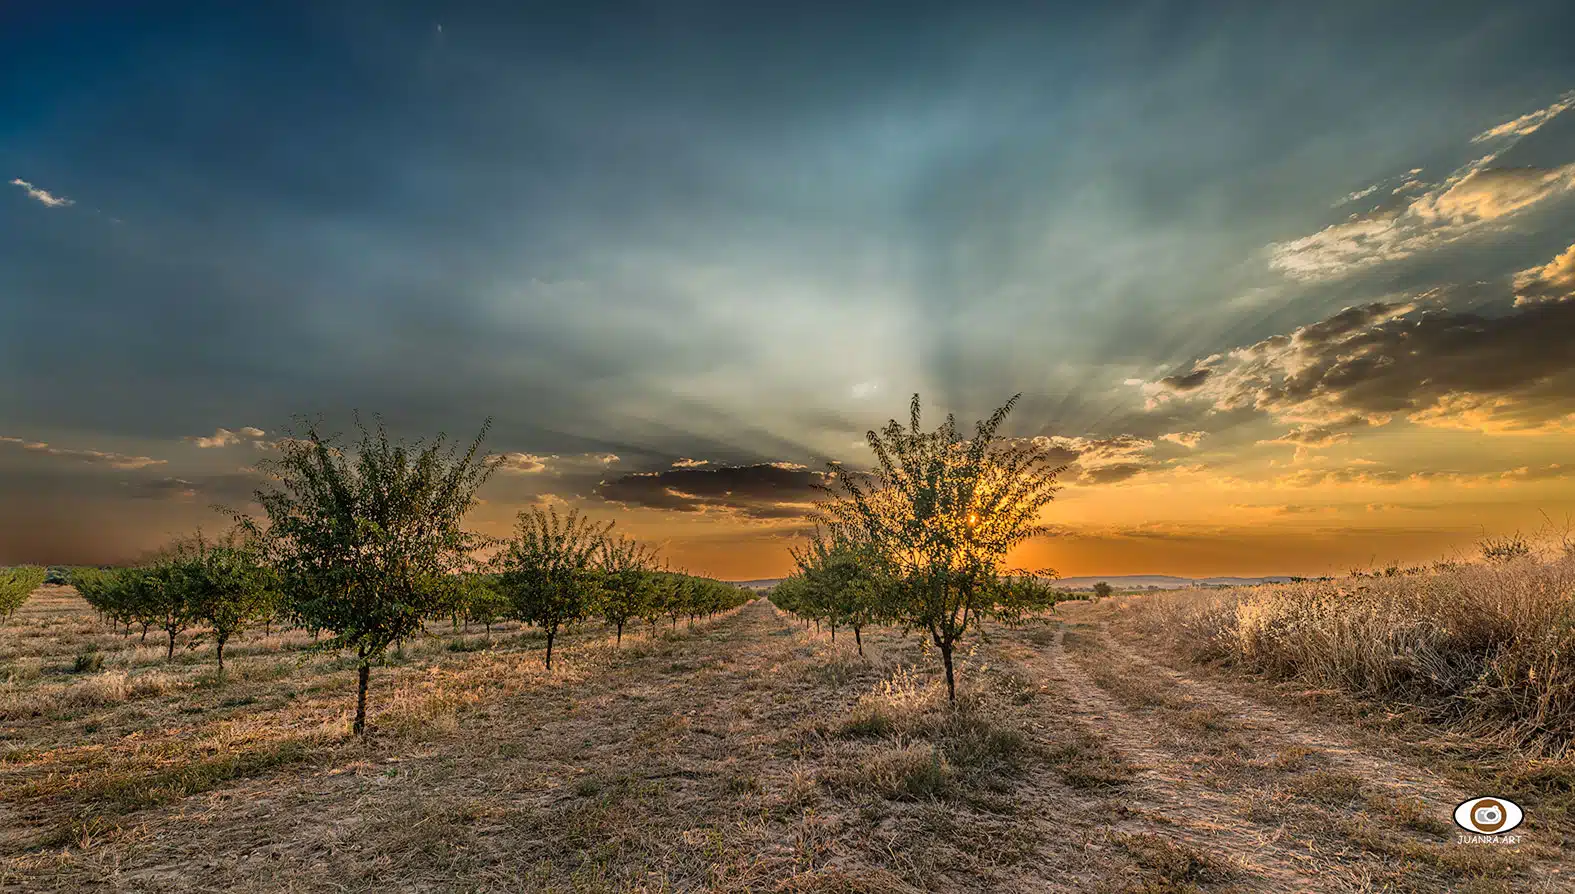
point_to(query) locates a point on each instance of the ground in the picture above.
(747, 753)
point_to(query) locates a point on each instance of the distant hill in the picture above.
(1118, 581)
(1164, 581)
(764, 583)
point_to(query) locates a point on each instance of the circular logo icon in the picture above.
(1488, 816)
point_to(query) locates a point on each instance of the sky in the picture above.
(1291, 286)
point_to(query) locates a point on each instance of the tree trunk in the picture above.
(170, 654)
(551, 634)
(620, 634)
(221, 654)
(365, 672)
(833, 625)
(857, 638)
(145, 627)
(267, 627)
(951, 681)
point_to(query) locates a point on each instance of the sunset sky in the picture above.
(1293, 288)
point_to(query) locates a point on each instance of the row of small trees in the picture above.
(366, 545)
(219, 586)
(16, 584)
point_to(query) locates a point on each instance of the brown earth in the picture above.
(746, 754)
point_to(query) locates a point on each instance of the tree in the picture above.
(1102, 589)
(223, 585)
(940, 513)
(361, 541)
(548, 569)
(626, 586)
(841, 579)
(16, 584)
(484, 602)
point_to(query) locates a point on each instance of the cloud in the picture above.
(864, 390)
(1094, 461)
(223, 437)
(1188, 381)
(1111, 474)
(1306, 438)
(1187, 439)
(1391, 477)
(165, 489)
(42, 195)
(687, 463)
(1288, 509)
(96, 457)
(759, 491)
(1364, 365)
(1528, 123)
(522, 463)
(1474, 196)
(532, 464)
(1553, 281)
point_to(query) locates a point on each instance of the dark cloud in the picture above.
(1187, 381)
(761, 491)
(1111, 474)
(1511, 371)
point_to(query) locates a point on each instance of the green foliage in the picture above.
(484, 602)
(363, 542)
(1102, 589)
(840, 580)
(940, 513)
(222, 585)
(626, 582)
(549, 572)
(16, 584)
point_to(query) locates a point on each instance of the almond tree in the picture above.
(940, 513)
(842, 580)
(16, 584)
(223, 586)
(626, 585)
(362, 539)
(548, 569)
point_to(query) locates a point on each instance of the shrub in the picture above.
(16, 584)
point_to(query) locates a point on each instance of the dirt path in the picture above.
(1283, 805)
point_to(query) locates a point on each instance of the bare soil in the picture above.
(745, 754)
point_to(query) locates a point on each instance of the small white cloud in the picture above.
(99, 457)
(42, 195)
(865, 390)
(223, 437)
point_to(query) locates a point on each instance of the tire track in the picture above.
(1168, 786)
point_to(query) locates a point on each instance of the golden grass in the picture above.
(1485, 647)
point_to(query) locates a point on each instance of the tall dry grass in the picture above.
(1490, 646)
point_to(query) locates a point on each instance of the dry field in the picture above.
(1089, 753)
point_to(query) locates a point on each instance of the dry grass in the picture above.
(1483, 647)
